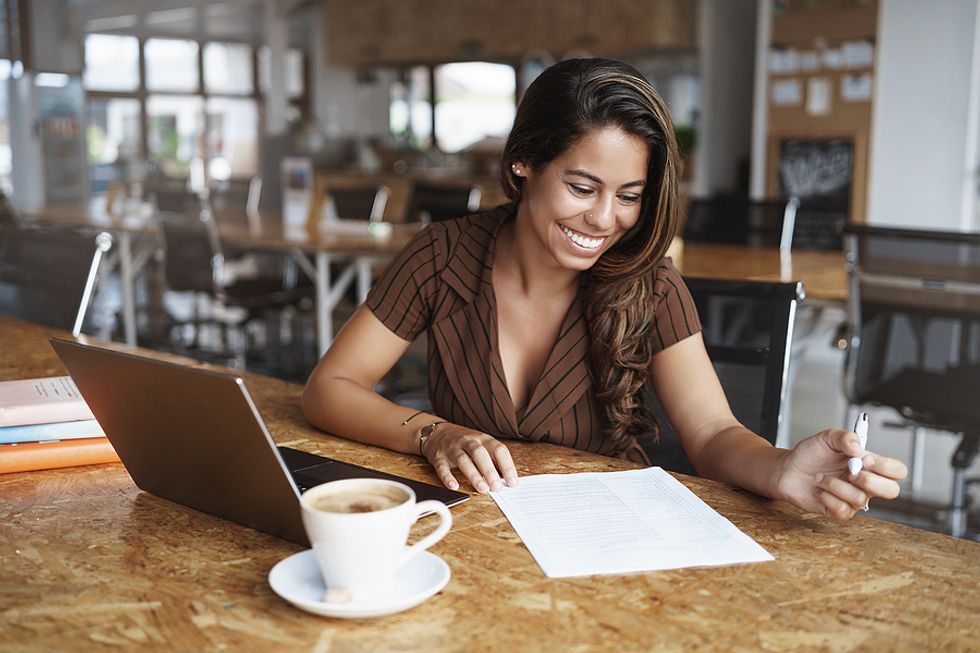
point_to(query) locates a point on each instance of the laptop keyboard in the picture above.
(309, 470)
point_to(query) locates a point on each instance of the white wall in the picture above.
(727, 47)
(923, 159)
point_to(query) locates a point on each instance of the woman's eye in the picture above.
(584, 191)
(629, 199)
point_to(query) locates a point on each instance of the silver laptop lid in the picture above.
(190, 435)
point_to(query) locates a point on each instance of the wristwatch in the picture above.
(425, 432)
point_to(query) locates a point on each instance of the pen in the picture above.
(854, 465)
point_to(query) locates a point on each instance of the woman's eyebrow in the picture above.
(592, 177)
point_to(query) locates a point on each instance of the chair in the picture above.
(771, 223)
(913, 341)
(194, 263)
(9, 216)
(719, 219)
(48, 276)
(237, 200)
(367, 203)
(793, 224)
(747, 328)
(787, 224)
(171, 195)
(431, 202)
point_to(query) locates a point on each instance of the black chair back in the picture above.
(367, 203)
(433, 202)
(48, 276)
(9, 216)
(192, 253)
(236, 202)
(786, 224)
(231, 194)
(767, 221)
(914, 317)
(717, 219)
(171, 195)
(747, 328)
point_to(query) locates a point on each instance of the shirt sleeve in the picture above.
(675, 314)
(401, 296)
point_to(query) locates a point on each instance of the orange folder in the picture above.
(51, 455)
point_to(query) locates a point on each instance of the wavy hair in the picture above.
(567, 101)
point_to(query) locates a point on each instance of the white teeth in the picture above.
(581, 241)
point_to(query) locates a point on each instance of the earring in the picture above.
(516, 168)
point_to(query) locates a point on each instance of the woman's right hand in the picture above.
(484, 460)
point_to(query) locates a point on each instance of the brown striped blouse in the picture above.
(441, 282)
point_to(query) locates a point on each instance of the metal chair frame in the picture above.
(936, 289)
(775, 355)
(102, 244)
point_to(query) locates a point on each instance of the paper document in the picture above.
(620, 522)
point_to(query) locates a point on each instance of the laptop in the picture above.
(194, 436)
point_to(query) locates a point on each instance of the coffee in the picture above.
(355, 500)
(358, 528)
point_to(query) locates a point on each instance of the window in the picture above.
(233, 149)
(175, 125)
(473, 101)
(410, 110)
(112, 139)
(197, 103)
(295, 86)
(228, 69)
(111, 63)
(171, 65)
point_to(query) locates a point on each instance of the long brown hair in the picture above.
(566, 102)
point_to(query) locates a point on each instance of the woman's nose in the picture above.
(602, 216)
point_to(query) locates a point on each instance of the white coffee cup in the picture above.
(359, 531)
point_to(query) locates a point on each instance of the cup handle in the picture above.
(446, 521)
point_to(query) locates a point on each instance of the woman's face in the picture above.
(582, 202)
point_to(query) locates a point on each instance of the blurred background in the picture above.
(866, 110)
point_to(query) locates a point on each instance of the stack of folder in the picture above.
(45, 423)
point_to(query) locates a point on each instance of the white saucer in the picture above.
(297, 579)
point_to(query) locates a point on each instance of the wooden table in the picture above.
(318, 252)
(92, 563)
(822, 273)
(314, 250)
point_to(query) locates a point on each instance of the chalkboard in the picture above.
(819, 172)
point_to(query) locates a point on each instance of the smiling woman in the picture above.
(547, 317)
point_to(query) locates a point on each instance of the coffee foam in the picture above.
(360, 500)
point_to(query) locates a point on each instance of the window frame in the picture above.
(403, 73)
(302, 102)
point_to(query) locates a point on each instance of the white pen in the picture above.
(854, 465)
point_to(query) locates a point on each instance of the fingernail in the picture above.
(498, 486)
(818, 478)
(482, 487)
(512, 480)
(453, 485)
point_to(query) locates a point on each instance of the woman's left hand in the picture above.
(815, 475)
